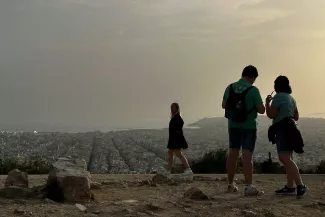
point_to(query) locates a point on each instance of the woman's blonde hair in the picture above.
(177, 107)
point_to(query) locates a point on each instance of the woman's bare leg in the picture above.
(170, 160)
(292, 171)
(180, 155)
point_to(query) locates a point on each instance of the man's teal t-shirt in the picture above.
(286, 105)
(253, 98)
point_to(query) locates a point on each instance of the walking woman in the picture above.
(284, 132)
(176, 141)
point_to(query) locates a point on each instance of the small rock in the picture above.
(46, 200)
(159, 179)
(126, 201)
(93, 210)
(153, 207)
(130, 201)
(149, 213)
(15, 192)
(19, 212)
(95, 185)
(247, 213)
(82, 208)
(17, 178)
(195, 194)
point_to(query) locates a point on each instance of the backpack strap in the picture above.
(231, 89)
(244, 93)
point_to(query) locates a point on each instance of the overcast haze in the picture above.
(120, 63)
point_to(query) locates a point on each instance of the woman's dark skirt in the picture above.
(178, 142)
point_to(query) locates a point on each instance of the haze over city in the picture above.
(105, 64)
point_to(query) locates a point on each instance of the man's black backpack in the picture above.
(236, 105)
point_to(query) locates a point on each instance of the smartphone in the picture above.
(272, 94)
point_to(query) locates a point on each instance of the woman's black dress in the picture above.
(176, 137)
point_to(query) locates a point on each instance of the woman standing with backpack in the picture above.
(284, 132)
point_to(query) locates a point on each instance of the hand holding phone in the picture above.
(271, 95)
(269, 98)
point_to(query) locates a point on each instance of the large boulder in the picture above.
(69, 180)
(17, 178)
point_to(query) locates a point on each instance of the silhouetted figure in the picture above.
(176, 141)
(242, 101)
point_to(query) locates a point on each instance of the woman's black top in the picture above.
(176, 137)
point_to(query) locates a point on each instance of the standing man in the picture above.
(242, 101)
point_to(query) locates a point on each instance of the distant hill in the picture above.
(263, 121)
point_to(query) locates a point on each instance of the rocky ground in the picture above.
(132, 195)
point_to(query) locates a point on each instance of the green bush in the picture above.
(310, 170)
(212, 162)
(215, 162)
(268, 167)
(35, 166)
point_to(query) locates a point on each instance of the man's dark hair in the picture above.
(250, 71)
(282, 84)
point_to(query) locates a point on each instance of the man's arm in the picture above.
(258, 102)
(296, 115)
(224, 102)
(272, 110)
(260, 108)
(225, 97)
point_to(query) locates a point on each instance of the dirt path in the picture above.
(122, 198)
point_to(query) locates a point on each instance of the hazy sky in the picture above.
(119, 63)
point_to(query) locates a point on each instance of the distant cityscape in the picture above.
(144, 150)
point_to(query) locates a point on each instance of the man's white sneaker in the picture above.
(188, 172)
(232, 188)
(253, 191)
